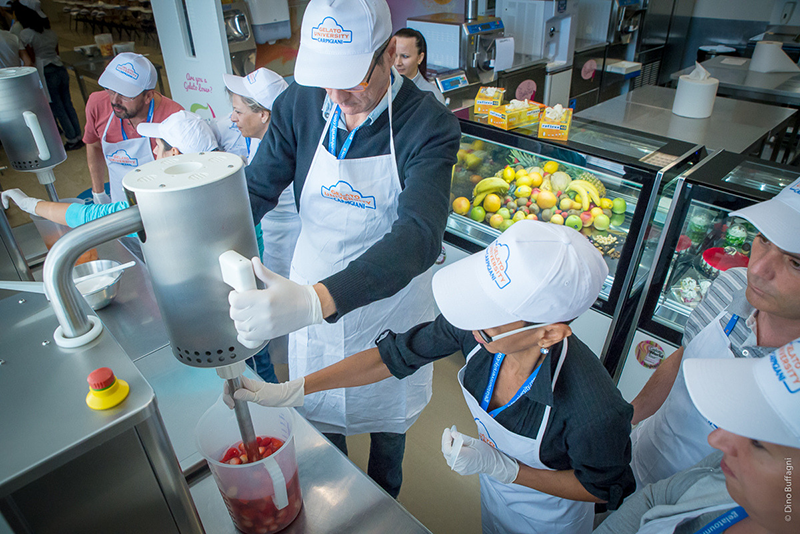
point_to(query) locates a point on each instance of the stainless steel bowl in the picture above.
(98, 292)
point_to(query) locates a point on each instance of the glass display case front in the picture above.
(699, 238)
(599, 184)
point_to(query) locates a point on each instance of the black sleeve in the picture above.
(404, 353)
(415, 240)
(273, 167)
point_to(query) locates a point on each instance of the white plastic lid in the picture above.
(185, 171)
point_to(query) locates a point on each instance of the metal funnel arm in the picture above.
(64, 296)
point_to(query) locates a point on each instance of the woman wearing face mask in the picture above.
(553, 434)
(411, 60)
(747, 487)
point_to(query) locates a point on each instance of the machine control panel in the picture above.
(482, 27)
(453, 81)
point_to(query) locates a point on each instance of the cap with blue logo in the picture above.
(536, 272)
(778, 219)
(758, 398)
(262, 85)
(184, 130)
(338, 39)
(129, 74)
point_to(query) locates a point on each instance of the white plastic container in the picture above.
(263, 496)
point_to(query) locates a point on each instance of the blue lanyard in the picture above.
(487, 395)
(334, 134)
(247, 142)
(731, 325)
(149, 118)
(724, 522)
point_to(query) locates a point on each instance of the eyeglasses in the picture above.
(488, 339)
(360, 88)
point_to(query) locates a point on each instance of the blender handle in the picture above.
(237, 272)
(281, 499)
(32, 122)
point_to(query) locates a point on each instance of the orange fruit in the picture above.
(536, 179)
(492, 203)
(546, 199)
(461, 205)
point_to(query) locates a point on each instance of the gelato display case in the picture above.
(602, 182)
(693, 239)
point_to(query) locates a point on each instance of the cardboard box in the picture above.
(484, 101)
(555, 129)
(509, 118)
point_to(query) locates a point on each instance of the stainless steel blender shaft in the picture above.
(244, 421)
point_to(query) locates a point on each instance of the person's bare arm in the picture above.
(97, 166)
(655, 392)
(53, 211)
(25, 57)
(562, 484)
(360, 369)
(325, 300)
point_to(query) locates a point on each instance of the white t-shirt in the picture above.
(9, 49)
(424, 85)
(44, 46)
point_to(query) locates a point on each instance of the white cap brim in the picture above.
(235, 84)
(149, 129)
(108, 80)
(461, 299)
(330, 71)
(777, 221)
(726, 393)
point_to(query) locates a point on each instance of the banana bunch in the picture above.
(586, 191)
(486, 187)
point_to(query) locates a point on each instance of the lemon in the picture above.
(550, 167)
(536, 179)
(521, 172)
(525, 179)
(509, 174)
(557, 219)
(518, 216)
(461, 205)
(492, 203)
(477, 144)
(606, 203)
(522, 191)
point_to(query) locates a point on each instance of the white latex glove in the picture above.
(25, 203)
(266, 394)
(283, 307)
(469, 456)
(101, 198)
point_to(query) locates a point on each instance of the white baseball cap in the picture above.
(536, 272)
(758, 398)
(338, 40)
(184, 130)
(34, 5)
(129, 74)
(262, 85)
(778, 219)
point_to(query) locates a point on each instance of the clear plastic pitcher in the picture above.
(51, 232)
(263, 496)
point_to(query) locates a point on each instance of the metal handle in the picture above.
(32, 121)
(65, 298)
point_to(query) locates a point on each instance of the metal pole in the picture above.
(244, 421)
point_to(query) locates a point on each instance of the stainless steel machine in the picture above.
(177, 203)
(28, 130)
(460, 47)
(240, 36)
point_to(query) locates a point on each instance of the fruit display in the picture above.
(499, 186)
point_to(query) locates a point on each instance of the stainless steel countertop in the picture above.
(735, 125)
(44, 417)
(776, 87)
(337, 496)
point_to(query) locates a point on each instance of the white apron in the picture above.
(676, 436)
(124, 156)
(667, 525)
(512, 508)
(347, 205)
(280, 229)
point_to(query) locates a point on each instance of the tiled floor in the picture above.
(443, 501)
